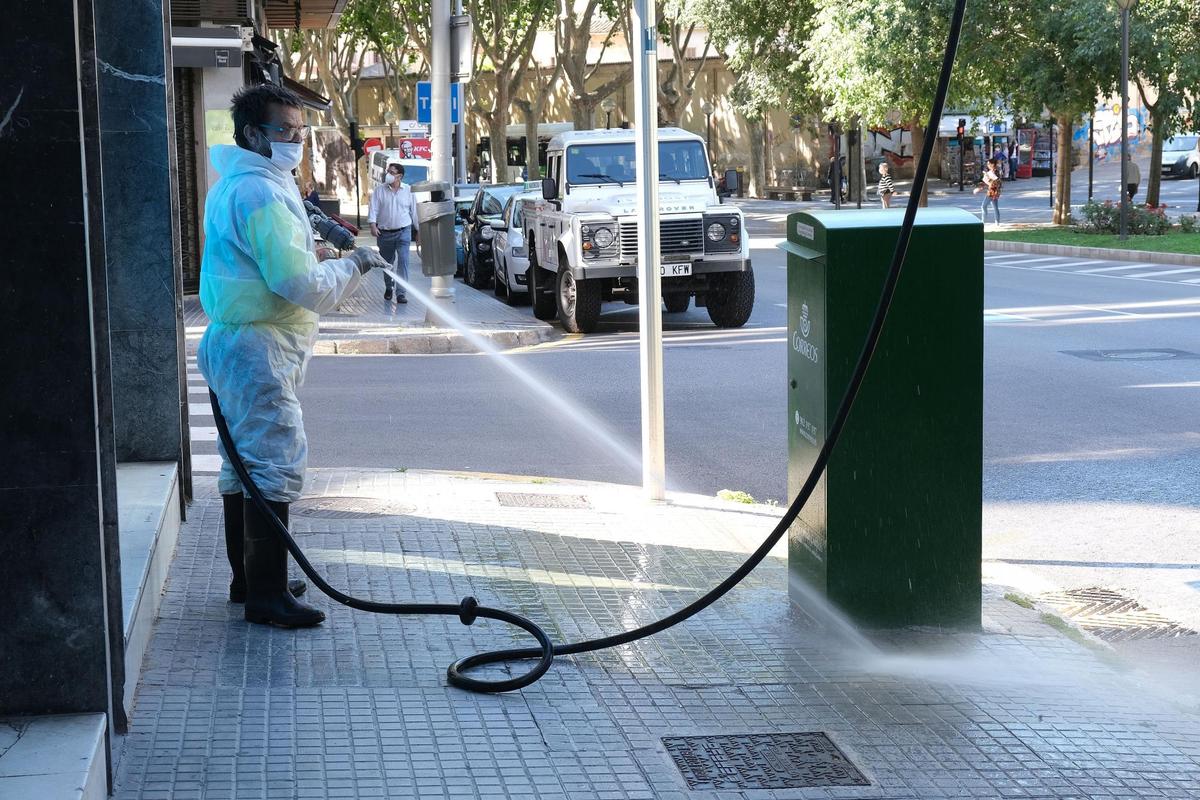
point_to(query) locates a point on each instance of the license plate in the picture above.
(675, 270)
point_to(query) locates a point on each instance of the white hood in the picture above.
(624, 203)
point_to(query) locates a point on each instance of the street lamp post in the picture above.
(708, 109)
(1091, 152)
(1126, 6)
(389, 117)
(607, 105)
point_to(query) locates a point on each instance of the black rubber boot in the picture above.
(268, 601)
(234, 536)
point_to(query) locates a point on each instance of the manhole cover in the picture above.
(530, 500)
(1141, 354)
(1112, 616)
(762, 761)
(348, 508)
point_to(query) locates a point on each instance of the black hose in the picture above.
(468, 609)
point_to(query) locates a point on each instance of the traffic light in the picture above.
(356, 143)
(962, 128)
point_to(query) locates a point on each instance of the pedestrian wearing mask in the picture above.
(263, 289)
(393, 217)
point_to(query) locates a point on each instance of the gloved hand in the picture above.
(367, 259)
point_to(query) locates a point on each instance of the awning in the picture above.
(310, 98)
(206, 47)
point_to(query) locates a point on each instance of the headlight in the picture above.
(603, 237)
(488, 232)
(716, 232)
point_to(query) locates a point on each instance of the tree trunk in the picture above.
(918, 144)
(1154, 180)
(758, 171)
(583, 112)
(533, 164)
(498, 133)
(1062, 184)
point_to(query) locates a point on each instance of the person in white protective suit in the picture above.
(263, 289)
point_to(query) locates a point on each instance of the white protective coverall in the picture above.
(263, 289)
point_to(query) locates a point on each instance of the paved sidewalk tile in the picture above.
(359, 707)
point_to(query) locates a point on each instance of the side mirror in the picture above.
(464, 214)
(549, 189)
(731, 180)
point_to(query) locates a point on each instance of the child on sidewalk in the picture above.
(887, 187)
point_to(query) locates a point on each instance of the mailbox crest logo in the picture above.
(800, 342)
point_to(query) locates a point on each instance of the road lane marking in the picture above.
(1108, 269)
(1162, 273)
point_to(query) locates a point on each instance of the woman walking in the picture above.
(992, 183)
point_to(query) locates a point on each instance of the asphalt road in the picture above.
(725, 402)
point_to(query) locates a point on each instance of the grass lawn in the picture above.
(1173, 242)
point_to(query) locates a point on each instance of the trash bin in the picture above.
(893, 533)
(435, 219)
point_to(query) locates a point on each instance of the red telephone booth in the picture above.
(1027, 141)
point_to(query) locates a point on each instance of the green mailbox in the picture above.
(893, 532)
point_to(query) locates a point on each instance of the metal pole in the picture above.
(1091, 152)
(645, 83)
(1124, 122)
(460, 130)
(837, 169)
(962, 161)
(442, 168)
(1051, 163)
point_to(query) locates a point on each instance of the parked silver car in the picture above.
(511, 248)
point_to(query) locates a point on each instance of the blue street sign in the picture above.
(425, 102)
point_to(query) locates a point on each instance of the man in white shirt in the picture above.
(393, 217)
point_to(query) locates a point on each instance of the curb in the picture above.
(432, 342)
(1106, 253)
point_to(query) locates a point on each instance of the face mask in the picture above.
(391, 179)
(287, 155)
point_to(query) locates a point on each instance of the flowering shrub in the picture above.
(1106, 218)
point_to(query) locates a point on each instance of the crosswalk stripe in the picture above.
(998, 256)
(1161, 273)
(1107, 269)
(201, 433)
(206, 463)
(1072, 264)
(1034, 260)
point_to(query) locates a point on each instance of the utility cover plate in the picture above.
(348, 508)
(1112, 616)
(533, 500)
(762, 761)
(1138, 354)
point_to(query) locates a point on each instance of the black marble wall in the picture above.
(58, 470)
(133, 62)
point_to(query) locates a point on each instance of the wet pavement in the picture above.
(359, 707)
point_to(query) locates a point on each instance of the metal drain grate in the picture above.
(531, 500)
(1141, 354)
(1112, 616)
(762, 761)
(348, 508)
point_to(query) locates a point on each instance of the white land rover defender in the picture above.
(585, 233)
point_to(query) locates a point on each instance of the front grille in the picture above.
(674, 236)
